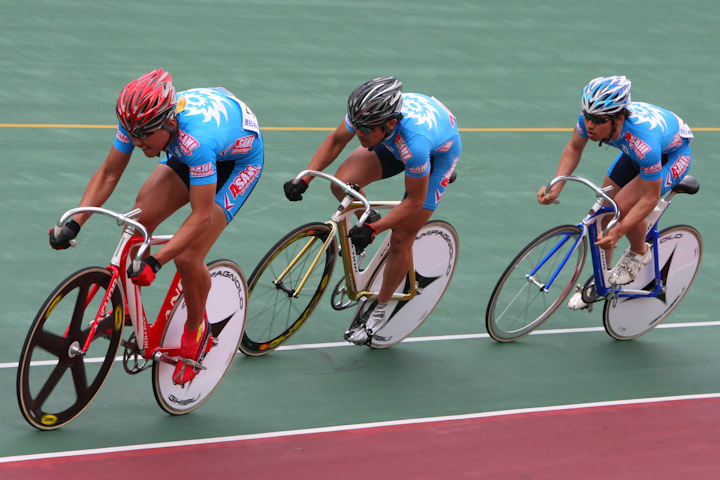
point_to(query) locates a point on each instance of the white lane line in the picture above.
(309, 346)
(339, 428)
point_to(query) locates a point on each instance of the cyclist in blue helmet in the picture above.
(654, 156)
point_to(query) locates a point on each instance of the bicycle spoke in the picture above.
(79, 377)
(55, 337)
(278, 310)
(517, 305)
(50, 384)
(105, 325)
(51, 343)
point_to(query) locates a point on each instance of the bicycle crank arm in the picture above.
(163, 357)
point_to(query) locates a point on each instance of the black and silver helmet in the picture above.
(375, 102)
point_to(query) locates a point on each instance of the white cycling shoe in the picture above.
(576, 301)
(584, 296)
(629, 266)
(363, 328)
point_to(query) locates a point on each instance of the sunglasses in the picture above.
(595, 119)
(365, 130)
(142, 134)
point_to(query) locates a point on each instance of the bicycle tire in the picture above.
(517, 306)
(275, 314)
(226, 310)
(680, 253)
(50, 401)
(433, 274)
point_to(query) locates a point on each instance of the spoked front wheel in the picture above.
(278, 310)
(226, 311)
(680, 251)
(55, 381)
(518, 305)
(435, 254)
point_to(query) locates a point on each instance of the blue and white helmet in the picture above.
(606, 95)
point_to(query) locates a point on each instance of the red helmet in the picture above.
(147, 103)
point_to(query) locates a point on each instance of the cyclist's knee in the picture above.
(401, 239)
(189, 263)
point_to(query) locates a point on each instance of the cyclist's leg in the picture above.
(628, 196)
(226, 312)
(405, 231)
(621, 172)
(400, 256)
(162, 194)
(362, 167)
(235, 184)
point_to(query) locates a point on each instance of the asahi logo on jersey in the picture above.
(403, 150)
(652, 169)
(240, 184)
(638, 146)
(204, 170)
(421, 169)
(122, 137)
(187, 142)
(445, 147)
(676, 141)
(241, 145)
(680, 166)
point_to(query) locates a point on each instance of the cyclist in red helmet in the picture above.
(214, 159)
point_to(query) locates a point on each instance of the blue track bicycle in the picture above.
(544, 273)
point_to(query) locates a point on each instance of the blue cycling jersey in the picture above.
(214, 126)
(427, 129)
(649, 133)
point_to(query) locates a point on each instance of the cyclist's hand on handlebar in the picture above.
(68, 232)
(362, 236)
(549, 197)
(145, 275)
(294, 191)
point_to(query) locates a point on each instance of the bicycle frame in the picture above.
(590, 228)
(150, 334)
(339, 224)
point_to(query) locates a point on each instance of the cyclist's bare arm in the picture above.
(416, 188)
(569, 160)
(103, 182)
(329, 150)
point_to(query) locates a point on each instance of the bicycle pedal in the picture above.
(358, 336)
(192, 363)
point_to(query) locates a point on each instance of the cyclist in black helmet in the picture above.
(398, 132)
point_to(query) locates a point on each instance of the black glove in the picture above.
(294, 191)
(362, 236)
(145, 275)
(68, 232)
